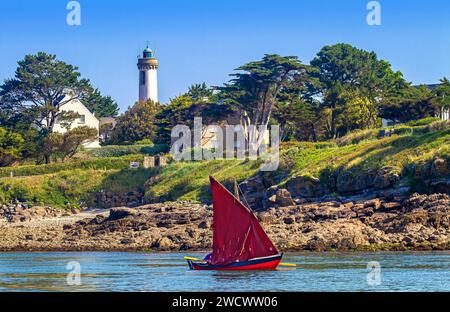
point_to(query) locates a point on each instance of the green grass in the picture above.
(71, 188)
(87, 164)
(190, 180)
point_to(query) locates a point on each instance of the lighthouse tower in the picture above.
(148, 78)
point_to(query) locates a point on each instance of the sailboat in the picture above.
(239, 241)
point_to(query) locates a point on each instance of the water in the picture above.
(114, 271)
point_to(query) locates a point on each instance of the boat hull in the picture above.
(267, 263)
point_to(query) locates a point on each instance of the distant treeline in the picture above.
(342, 89)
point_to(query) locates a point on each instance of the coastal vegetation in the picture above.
(405, 154)
(330, 115)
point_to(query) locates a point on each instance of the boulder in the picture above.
(305, 186)
(441, 186)
(374, 203)
(120, 213)
(351, 182)
(204, 225)
(283, 198)
(165, 243)
(441, 167)
(386, 177)
(254, 191)
(391, 206)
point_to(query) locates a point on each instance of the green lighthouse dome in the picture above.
(148, 53)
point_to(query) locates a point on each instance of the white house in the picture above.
(86, 119)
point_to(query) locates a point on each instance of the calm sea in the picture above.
(117, 271)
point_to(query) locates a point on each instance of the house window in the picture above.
(82, 120)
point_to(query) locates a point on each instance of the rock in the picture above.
(442, 186)
(283, 198)
(365, 212)
(390, 206)
(273, 199)
(164, 224)
(352, 182)
(204, 225)
(266, 217)
(98, 219)
(346, 213)
(126, 241)
(440, 167)
(254, 191)
(416, 222)
(119, 213)
(305, 186)
(386, 177)
(165, 243)
(374, 203)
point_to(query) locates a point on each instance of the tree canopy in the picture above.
(99, 105)
(136, 124)
(256, 86)
(184, 108)
(41, 86)
(342, 68)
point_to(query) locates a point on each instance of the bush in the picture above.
(11, 147)
(422, 122)
(403, 130)
(101, 163)
(122, 150)
(439, 125)
(357, 136)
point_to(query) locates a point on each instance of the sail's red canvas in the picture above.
(237, 236)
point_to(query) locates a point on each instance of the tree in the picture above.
(50, 146)
(11, 147)
(442, 96)
(74, 139)
(101, 106)
(200, 92)
(297, 113)
(136, 124)
(183, 109)
(41, 86)
(357, 112)
(410, 103)
(343, 68)
(254, 90)
(67, 144)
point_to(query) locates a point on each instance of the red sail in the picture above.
(237, 236)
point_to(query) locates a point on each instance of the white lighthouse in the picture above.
(148, 76)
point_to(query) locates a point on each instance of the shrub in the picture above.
(422, 122)
(11, 147)
(403, 130)
(357, 136)
(101, 163)
(122, 150)
(439, 125)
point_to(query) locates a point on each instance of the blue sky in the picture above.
(203, 41)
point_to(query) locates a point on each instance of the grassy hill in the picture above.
(406, 153)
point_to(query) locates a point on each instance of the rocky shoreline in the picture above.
(417, 222)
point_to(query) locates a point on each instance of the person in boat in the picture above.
(208, 257)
